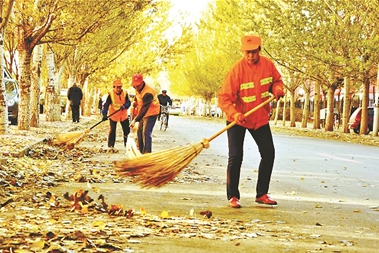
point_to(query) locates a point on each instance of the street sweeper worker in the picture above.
(147, 104)
(247, 84)
(117, 99)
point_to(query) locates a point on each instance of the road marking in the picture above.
(338, 158)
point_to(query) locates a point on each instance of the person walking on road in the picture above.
(246, 85)
(117, 99)
(147, 108)
(75, 95)
(164, 100)
(100, 104)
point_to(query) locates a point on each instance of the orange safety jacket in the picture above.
(154, 106)
(247, 85)
(117, 102)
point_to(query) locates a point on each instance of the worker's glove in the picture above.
(132, 123)
(123, 107)
(239, 118)
(279, 94)
(105, 118)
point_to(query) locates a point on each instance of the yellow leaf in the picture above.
(37, 245)
(98, 224)
(142, 210)
(191, 212)
(164, 215)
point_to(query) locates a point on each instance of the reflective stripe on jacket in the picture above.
(117, 102)
(246, 86)
(154, 106)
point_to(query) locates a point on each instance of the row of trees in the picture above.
(318, 45)
(50, 44)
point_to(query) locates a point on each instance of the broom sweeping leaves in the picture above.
(159, 168)
(70, 139)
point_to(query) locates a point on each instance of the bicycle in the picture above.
(164, 114)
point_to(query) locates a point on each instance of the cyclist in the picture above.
(164, 100)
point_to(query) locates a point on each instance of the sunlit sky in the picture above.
(192, 7)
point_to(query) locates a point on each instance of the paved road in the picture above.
(305, 167)
(326, 190)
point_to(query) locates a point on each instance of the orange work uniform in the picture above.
(246, 86)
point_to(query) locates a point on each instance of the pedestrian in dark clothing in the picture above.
(164, 100)
(117, 100)
(75, 95)
(100, 104)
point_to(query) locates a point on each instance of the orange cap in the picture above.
(250, 42)
(117, 82)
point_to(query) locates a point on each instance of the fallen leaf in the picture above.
(164, 215)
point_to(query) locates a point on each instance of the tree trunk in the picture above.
(284, 111)
(304, 119)
(316, 106)
(330, 110)
(86, 101)
(35, 89)
(50, 87)
(346, 106)
(364, 113)
(292, 110)
(375, 127)
(24, 105)
(3, 103)
(277, 112)
(57, 99)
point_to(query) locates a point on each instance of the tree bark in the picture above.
(35, 88)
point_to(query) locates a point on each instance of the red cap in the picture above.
(137, 79)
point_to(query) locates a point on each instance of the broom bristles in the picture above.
(158, 168)
(70, 138)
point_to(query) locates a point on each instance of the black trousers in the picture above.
(112, 132)
(75, 113)
(263, 138)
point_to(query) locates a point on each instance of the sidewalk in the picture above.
(17, 142)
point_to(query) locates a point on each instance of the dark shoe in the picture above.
(265, 199)
(234, 203)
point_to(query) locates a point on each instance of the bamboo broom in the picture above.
(70, 139)
(159, 168)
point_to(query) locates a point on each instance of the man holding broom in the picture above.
(248, 84)
(117, 100)
(147, 104)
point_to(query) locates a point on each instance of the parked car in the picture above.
(355, 119)
(175, 110)
(12, 96)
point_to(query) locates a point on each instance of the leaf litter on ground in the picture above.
(35, 218)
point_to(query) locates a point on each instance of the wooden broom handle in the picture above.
(246, 114)
(103, 121)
